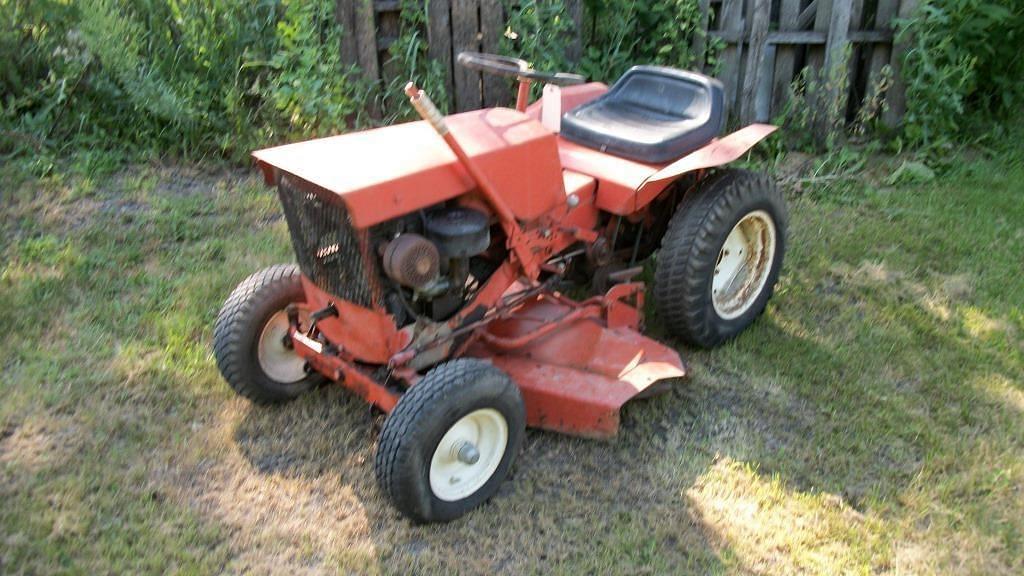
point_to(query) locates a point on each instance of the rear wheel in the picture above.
(450, 441)
(720, 257)
(249, 338)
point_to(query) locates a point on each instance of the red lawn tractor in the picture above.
(435, 259)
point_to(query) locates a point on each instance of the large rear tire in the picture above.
(450, 441)
(249, 337)
(720, 257)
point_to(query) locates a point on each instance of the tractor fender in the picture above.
(719, 152)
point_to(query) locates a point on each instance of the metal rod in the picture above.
(636, 243)
(429, 112)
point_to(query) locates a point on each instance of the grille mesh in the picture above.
(331, 253)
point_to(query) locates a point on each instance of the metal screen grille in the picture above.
(331, 253)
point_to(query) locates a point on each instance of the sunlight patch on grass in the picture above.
(980, 325)
(771, 528)
(1002, 390)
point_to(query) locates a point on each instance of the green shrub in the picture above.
(615, 35)
(964, 64)
(188, 77)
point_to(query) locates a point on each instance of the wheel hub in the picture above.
(468, 454)
(743, 265)
(277, 358)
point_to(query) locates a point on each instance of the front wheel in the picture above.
(450, 441)
(720, 257)
(249, 339)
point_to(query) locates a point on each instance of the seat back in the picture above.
(670, 95)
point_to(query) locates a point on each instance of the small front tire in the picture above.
(249, 337)
(450, 441)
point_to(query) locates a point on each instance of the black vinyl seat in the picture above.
(652, 114)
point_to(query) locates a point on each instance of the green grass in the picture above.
(871, 421)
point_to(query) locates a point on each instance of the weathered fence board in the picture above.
(761, 10)
(896, 96)
(731, 23)
(885, 11)
(466, 38)
(439, 41)
(700, 38)
(492, 23)
(835, 76)
(785, 55)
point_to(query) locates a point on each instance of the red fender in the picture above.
(719, 152)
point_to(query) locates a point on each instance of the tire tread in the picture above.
(689, 251)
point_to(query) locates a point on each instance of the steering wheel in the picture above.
(515, 68)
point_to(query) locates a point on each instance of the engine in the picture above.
(434, 262)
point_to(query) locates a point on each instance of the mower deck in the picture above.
(587, 363)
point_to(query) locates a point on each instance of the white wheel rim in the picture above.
(279, 362)
(452, 477)
(744, 263)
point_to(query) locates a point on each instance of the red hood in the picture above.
(387, 172)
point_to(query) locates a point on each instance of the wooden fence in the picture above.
(763, 46)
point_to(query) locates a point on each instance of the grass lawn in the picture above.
(871, 421)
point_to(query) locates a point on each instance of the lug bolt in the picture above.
(468, 454)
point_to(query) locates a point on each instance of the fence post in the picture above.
(755, 59)
(366, 38)
(700, 36)
(880, 52)
(897, 95)
(439, 40)
(785, 57)
(344, 15)
(732, 27)
(497, 90)
(465, 29)
(574, 51)
(833, 84)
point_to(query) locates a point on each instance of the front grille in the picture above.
(331, 253)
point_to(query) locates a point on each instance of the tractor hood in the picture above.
(388, 172)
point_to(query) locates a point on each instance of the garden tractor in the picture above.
(474, 274)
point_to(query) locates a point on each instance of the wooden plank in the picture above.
(574, 51)
(810, 37)
(366, 39)
(466, 38)
(732, 22)
(896, 97)
(834, 72)
(854, 67)
(699, 44)
(439, 44)
(816, 54)
(785, 56)
(763, 102)
(807, 15)
(760, 17)
(497, 90)
(879, 55)
(387, 5)
(345, 16)
(389, 26)
(870, 36)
